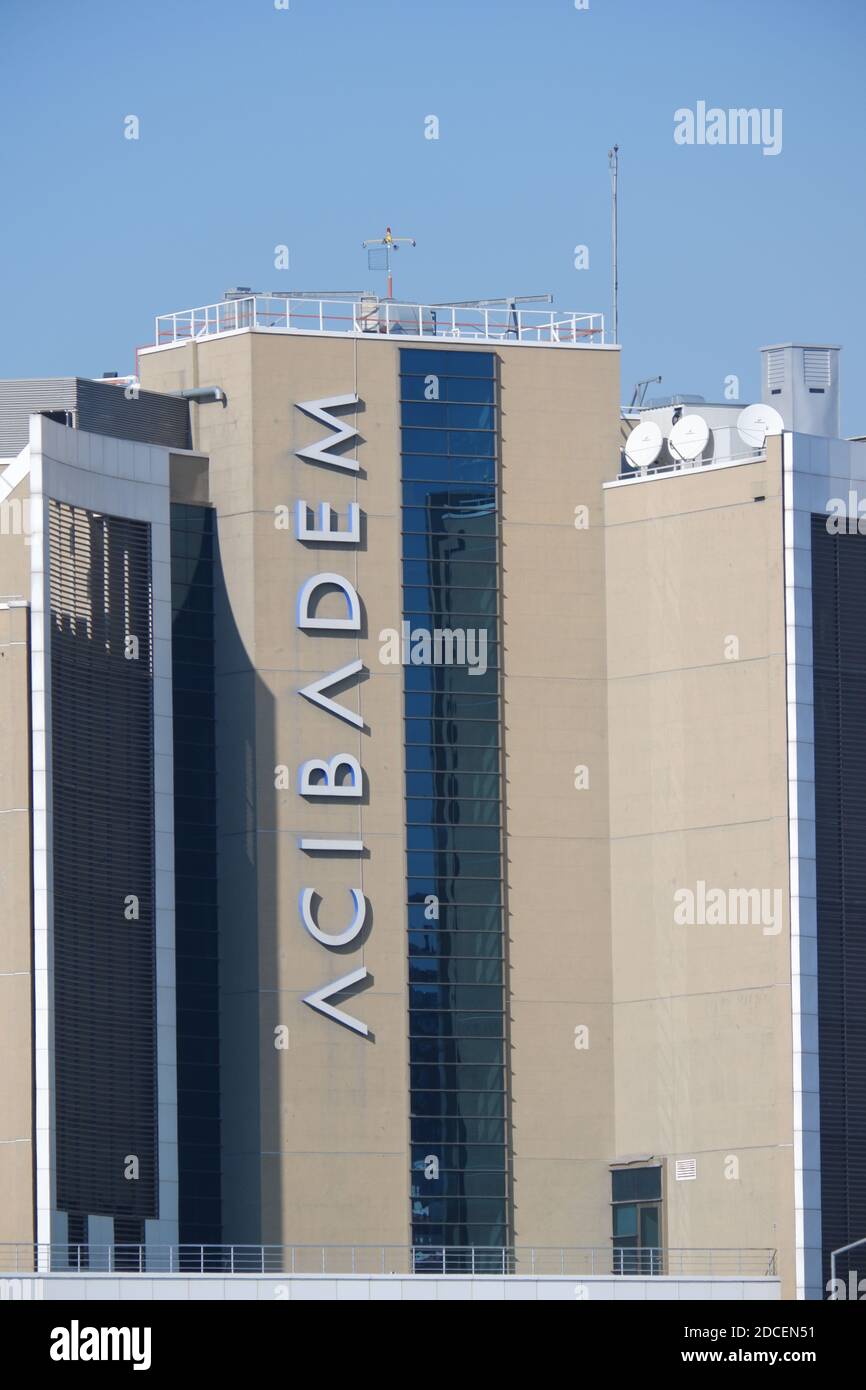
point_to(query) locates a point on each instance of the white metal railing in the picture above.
(373, 316)
(628, 474)
(569, 1261)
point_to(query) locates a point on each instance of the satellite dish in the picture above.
(756, 422)
(644, 444)
(689, 437)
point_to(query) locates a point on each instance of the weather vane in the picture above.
(379, 251)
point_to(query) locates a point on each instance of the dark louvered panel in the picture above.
(103, 839)
(839, 652)
(195, 853)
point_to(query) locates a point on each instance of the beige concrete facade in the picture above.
(699, 792)
(559, 444)
(315, 1134)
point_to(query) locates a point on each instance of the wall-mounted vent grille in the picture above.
(816, 367)
(685, 1169)
(103, 833)
(775, 370)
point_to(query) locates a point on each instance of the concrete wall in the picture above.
(315, 1136)
(698, 758)
(560, 422)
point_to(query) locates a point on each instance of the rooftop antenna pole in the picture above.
(613, 165)
(638, 395)
(386, 244)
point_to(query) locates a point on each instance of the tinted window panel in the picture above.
(442, 522)
(413, 388)
(457, 1209)
(463, 468)
(457, 918)
(449, 599)
(458, 1184)
(196, 756)
(450, 757)
(418, 544)
(636, 1184)
(471, 1104)
(454, 970)
(433, 811)
(453, 865)
(451, 1024)
(482, 733)
(463, 499)
(455, 1050)
(446, 362)
(478, 892)
(452, 660)
(469, 678)
(434, 414)
(456, 997)
(459, 839)
(452, 784)
(455, 944)
(441, 573)
(427, 1076)
(193, 731)
(441, 705)
(460, 1156)
(187, 705)
(192, 598)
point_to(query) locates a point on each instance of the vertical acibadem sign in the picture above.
(338, 775)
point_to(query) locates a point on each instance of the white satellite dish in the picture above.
(644, 444)
(756, 422)
(689, 437)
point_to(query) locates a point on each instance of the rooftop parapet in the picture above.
(369, 316)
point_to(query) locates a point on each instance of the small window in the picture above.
(636, 1200)
(636, 1184)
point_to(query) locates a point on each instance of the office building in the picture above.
(426, 835)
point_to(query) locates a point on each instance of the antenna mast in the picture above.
(613, 165)
(382, 248)
(638, 395)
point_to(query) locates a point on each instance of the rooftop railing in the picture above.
(568, 1261)
(724, 447)
(365, 317)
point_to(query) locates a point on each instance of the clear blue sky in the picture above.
(306, 127)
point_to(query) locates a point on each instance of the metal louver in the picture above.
(103, 841)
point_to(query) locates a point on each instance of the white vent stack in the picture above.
(802, 382)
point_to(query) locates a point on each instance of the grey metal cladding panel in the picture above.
(21, 399)
(149, 418)
(189, 480)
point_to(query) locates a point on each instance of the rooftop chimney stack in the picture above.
(802, 382)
